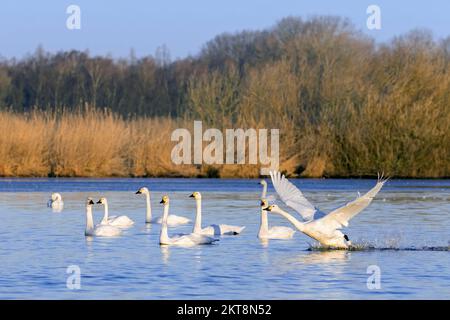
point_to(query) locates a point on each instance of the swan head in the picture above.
(272, 207)
(143, 190)
(264, 203)
(102, 201)
(89, 202)
(164, 200)
(56, 197)
(347, 240)
(196, 195)
(263, 182)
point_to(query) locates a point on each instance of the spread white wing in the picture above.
(341, 216)
(292, 196)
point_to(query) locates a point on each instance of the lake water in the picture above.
(405, 230)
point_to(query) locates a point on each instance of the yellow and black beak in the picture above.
(164, 199)
(138, 192)
(99, 201)
(91, 202)
(192, 196)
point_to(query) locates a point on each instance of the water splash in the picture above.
(370, 247)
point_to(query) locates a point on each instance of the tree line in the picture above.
(346, 105)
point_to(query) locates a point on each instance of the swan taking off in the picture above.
(120, 221)
(172, 220)
(99, 230)
(214, 229)
(322, 227)
(273, 232)
(180, 240)
(56, 202)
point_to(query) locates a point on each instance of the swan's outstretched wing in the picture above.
(342, 215)
(292, 196)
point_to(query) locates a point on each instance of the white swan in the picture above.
(274, 232)
(277, 232)
(99, 230)
(180, 240)
(56, 202)
(172, 220)
(214, 229)
(322, 227)
(120, 221)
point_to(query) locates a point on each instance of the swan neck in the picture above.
(299, 225)
(106, 215)
(148, 214)
(264, 227)
(89, 220)
(164, 235)
(198, 217)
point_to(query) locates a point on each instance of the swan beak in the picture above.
(192, 196)
(138, 192)
(97, 202)
(266, 209)
(91, 202)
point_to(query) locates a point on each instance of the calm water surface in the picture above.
(408, 224)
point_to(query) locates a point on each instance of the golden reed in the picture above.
(344, 142)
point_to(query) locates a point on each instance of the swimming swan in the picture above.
(180, 240)
(276, 232)
(56, 202)
(322, 227)
(214, 229)
(99, 230)
(172, 220)
(120, 221)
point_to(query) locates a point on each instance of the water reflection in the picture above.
(322, 257)
(264, 243)
(165, 252)
(57, 209)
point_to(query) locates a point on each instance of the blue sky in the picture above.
(114, 27)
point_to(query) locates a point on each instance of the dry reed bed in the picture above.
(94, 144)
(346, 141)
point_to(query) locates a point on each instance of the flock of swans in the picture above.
(322, 227)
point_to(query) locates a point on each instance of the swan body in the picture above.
(214, 229)
(179, 240)
(56, 202)
(172, 220)
(276, 232)
(325, 228)
(116, 221)
(221, 229)
(99, 230)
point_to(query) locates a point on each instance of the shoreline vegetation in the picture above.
(345, 106)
